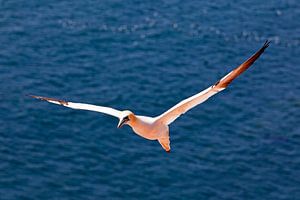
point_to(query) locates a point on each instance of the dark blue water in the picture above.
(243, 143)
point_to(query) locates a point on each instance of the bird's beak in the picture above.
(122, 122)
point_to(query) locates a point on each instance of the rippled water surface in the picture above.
(243, 143)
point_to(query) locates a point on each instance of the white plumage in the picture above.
(157, 128)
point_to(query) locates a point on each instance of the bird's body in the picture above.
(146, 127)
(157, 128)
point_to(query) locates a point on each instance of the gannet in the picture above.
(157, 128)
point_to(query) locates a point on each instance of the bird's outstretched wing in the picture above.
(173, 113)
(81, 106)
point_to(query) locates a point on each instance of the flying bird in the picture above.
(157, 128)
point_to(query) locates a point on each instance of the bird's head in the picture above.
(127, 117)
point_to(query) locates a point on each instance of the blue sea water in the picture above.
(146, 56)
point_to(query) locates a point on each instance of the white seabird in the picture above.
(157, 128)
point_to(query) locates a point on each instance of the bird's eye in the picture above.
(126, 118)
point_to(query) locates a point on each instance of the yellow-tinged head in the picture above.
(127, 117)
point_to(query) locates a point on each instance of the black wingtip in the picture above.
(37, 97)
(33, 96)
(266, 44)
(61, 102)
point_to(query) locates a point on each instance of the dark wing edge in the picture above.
(52, 100)
(224, 82)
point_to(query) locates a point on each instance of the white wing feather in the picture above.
(82, 106)
(173, 113)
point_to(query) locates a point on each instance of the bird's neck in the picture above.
(133, 121)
